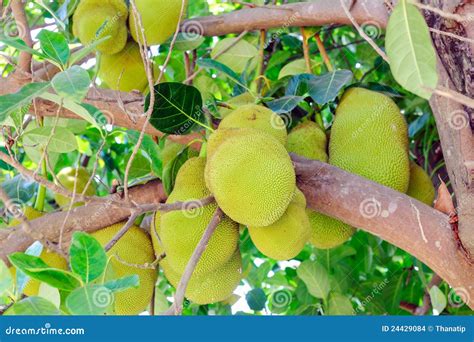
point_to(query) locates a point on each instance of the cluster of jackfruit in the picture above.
(120, 64)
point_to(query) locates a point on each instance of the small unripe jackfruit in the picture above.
(134, 248)
(421, 187)
(257, 117)
(96, 19)
(66, 178)
(159, 19)
(308, 140)
(369, 137)
(180, 231)
(252, 178)
(284, 239)
(328, 232)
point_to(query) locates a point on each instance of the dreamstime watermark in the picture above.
(458, 296)
(102, 297)
(372, 29)
(192, 208)
(283, 29)
(9, 28)
(458, 120)
(192, 30)
(281, 299)
(371, 208)
(376, 291)
(282, 121)
(47, 329)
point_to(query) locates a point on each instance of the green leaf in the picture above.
(11, 102)
(438, 299)
(72, 84)
(90, 300)
(177, 108)
(325, 88)
(33, 306)
(6, 280)
(61, 141)
(161, 301)
(19, 44)
(256, 299)
(122, 284)
(85, 51)
(36, 268)
(208, 63)
(188, 41)
(241, 56)
(295, 67)
(171, 170)
(151, 149)
(54, 46)
(315, 277)
(410, 50)
(285, 104)
(87, 257)
(339, 305)
(50, 293)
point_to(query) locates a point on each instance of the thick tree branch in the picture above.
(18, 11)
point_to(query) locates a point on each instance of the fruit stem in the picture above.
(324, 53)
(261, 60)
(307, 58)
(41, 194)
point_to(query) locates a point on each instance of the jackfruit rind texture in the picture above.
(134, 248)
(369, 137)
(286, 238)
(421, 187)
(308, 140)
(66, 178)
(96, 19)
(159, 19)
(252, 178)
(124, 71)
(180, 231)
(257, 117)
(328, 232)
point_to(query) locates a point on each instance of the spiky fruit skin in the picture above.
(181, 231)
(421, 187)
(308, 140)
(159, 20)
(50, 258)
(252, 178)
(66, 178)
(134, 247)
(286, 238)
(257, 117)
(369, 137)
(107, 16)
(328, 232)
(299, 198)
(207, 288)
(236, 102)
(124, 71)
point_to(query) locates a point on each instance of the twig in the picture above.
(18, 11)
(122, 231)
(453, 95)
(324, 53)
(452, 35)
(442, 13)
(362, 33)
(177, 306)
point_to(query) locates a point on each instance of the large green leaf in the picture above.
(285, 104)
(325, 88)
(122, 284)
(209, 63)
(90, 300)
(36, 268)
(339, 305)
(55, 47)
(239, 57)
(177, 108)
(72, 84)
(20, 44)
(11, 102)
(87, 257)
(33, 306)
(410, 50)
(315, 277)
(61, 141)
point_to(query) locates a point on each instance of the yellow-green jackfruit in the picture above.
(328, 232)
(421, 187)
(308, 140)
(67, 178)
(369, 137)
(252, 178)
(97, 19)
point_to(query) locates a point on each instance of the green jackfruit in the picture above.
(252, 178)
(171, 150)
(328, 232)
(134, 248)
(159, 19)
(258, 117)
(369, 137)
(66, 178)
(299, 198)
(286, 238)
(180, 231)
(308, 140)
(421, 187)
(237, 102)
(97, 19)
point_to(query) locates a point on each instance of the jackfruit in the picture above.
(134, 248)
(96, 19)
(159, 20)
(180, 231)
(236, 102)
(421, 187)
(207, 288)
(252, 178)
(286, 238)
(52, 259)
(369, 137)
(66, 178)
(125, 70)
(328, 232)
(308, 140)
(258, 117)
(171, 150)
(299, 198)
